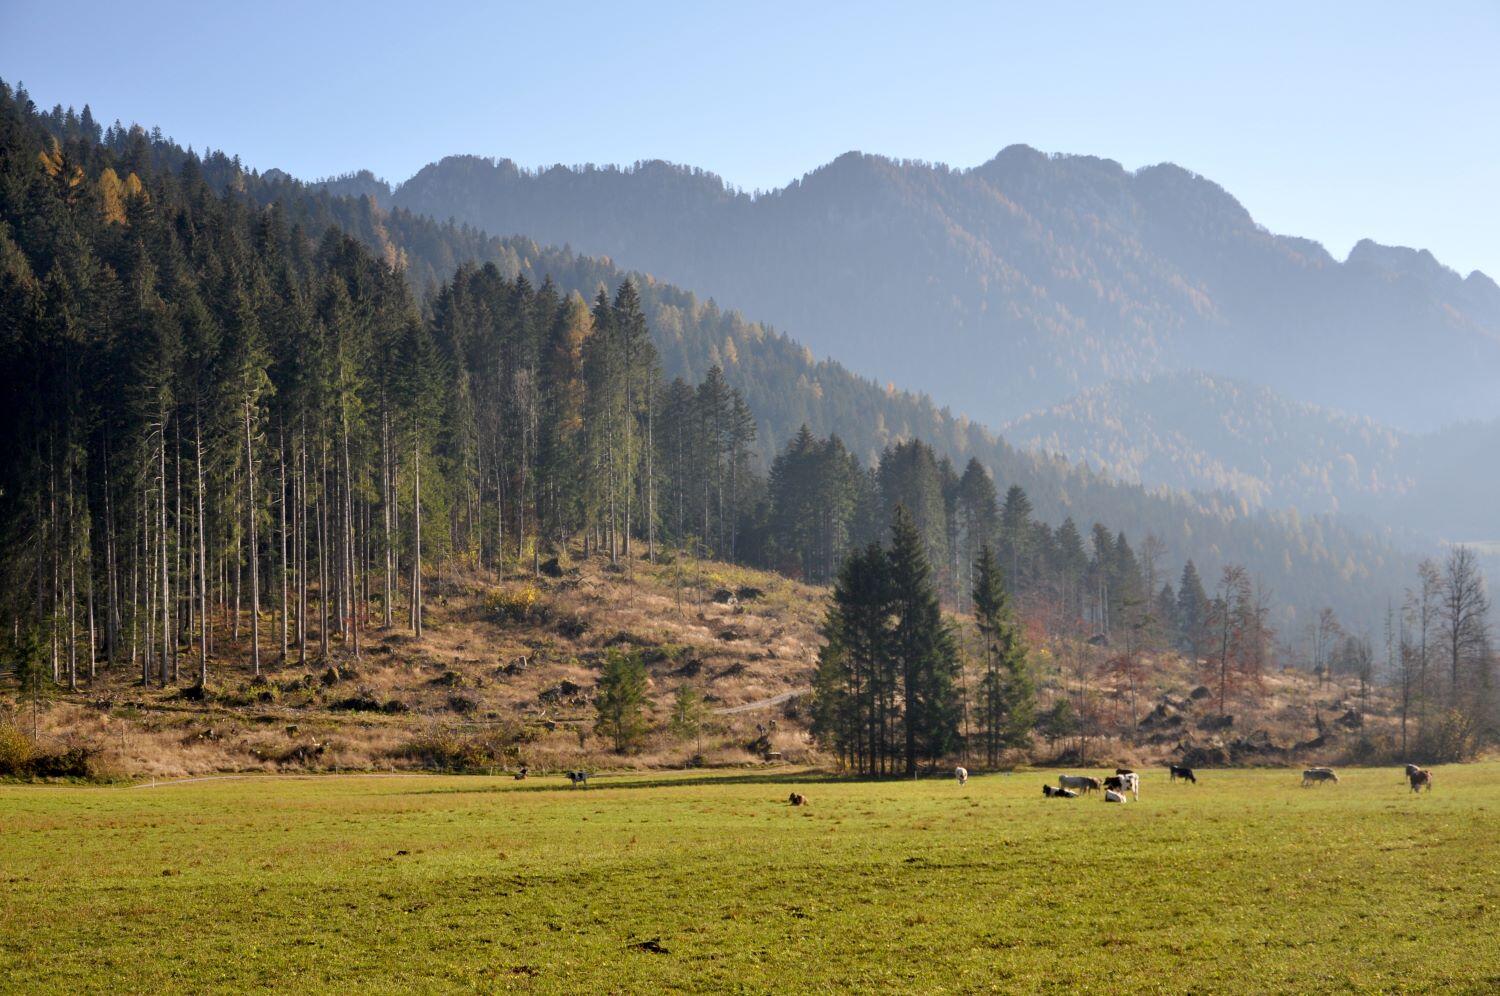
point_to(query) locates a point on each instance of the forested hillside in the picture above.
(1194, 431)
(1305, 561)
(1197, 432)
(1014, 285)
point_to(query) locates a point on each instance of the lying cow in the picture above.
(797, 799)
(1184, 773)
(1420, 779)
(1058, 793)
(962, 774)
(1316, 776)
(1083, 783)
(1113, 796)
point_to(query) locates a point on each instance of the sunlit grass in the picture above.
(1246, 882)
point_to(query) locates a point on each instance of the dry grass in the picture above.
(479, 667)
(519, 656)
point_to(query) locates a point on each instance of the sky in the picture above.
(1331, 120)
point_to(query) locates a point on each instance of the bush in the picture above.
(16, 752)
(447, 751)
(1447, 739)
(514, 603)
(20, 758)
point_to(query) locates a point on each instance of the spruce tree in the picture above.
(922, 648)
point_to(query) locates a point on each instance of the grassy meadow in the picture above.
(711, 882)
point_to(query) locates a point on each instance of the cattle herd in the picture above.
(1126, 782)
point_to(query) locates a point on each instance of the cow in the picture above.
(1316, 776)
(1411, 769)
(579, 778)
(1112, 796)
(1124, 771)
(1116, 782)
(797, 799)
(522, 773)
(1420, 779)
(1058, 793)
(962, 774)
(1132, 784)
(1186, 774)
(1083, 783)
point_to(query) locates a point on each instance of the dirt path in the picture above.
(759, 704)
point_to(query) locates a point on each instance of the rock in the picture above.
(733, 633)
(1201, 692)
(748, 593)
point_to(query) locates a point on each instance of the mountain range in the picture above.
(1014, 285)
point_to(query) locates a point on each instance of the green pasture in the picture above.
(1245, 882)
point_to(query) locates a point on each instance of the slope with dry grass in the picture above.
(504, 675)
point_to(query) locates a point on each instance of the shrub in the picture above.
(20, 758)
(449, 751)
(16, 752)
(514, 603)
(1448, 738)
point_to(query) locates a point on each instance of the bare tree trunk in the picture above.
(254, 545)
(202, 562)
(168, 657)
(416, 560)
(283, 622)
(353, 582)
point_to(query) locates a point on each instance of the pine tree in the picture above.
(922, 647)
(1007, 691)
(620, 702)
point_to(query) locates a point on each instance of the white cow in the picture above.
(1110, 795)
(962, 774)
(1132, 784)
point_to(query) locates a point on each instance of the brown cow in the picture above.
(1420, 779)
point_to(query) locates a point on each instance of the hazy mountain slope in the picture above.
(1014, 285)
(1194, 431)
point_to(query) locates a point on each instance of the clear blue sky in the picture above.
(1331, 120)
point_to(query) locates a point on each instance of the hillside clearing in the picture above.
(706, 882)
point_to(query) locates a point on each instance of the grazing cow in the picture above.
(1112, 796)
(1083, 783)
(579, 778)
(962, 774)
(1316, 776)
(521, 774)
(797, 799)
(1184, 773)
(1420, 779)
(1057, 793)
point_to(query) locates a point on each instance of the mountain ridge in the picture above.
(1014, 284)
